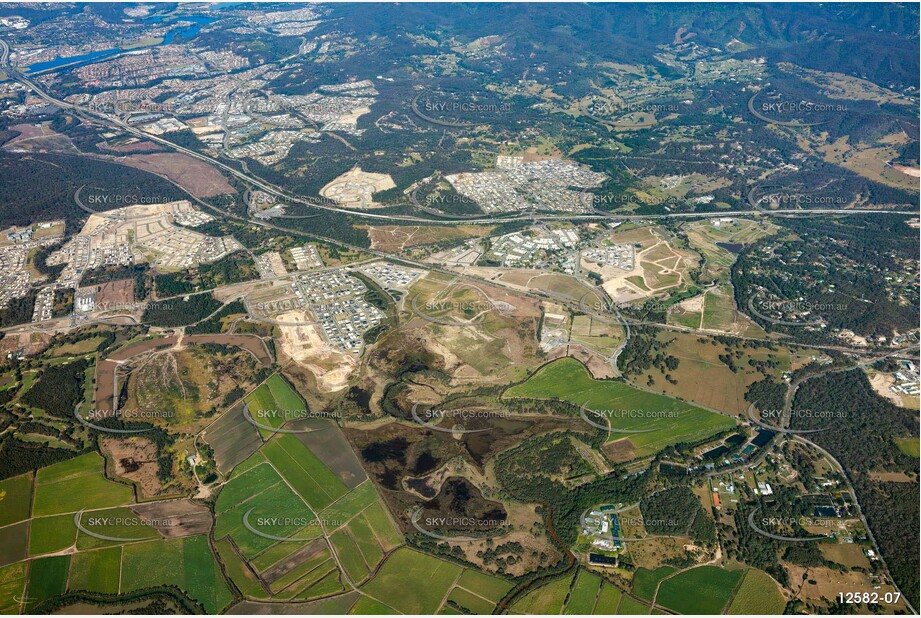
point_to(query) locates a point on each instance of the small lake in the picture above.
(731, 247)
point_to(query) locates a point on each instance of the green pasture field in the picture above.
(273, 555)
(547, 599)
(568, 380)
(645, 581)
(351, 503)
(242, 577)
(276, 502)
(76, 484)
(757, 594)
(429, 578)
(328, 585)
(370, 607)
(96, 571)
(47, 578)
(363, 535)
(702, 590)
(349, 556)
(277, 396)
(50, 534)
(12, 587)
(318, 577)
(386, 532)
(311, 571)
(284, 395)
(309, 477)
(120, 523)
(629, 605)
(471, 602)
(245, 485)
(584, 592)
(608, 600)
(186, 563)
(488, 586)
(909, 446)
(719, 311)
(261, 399)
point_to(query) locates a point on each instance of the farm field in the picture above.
(757, 594)
(701, 590)
(583, 594)
(297, 567)
(117, 523)
(431, 579)
(232, 438)
(266, 496)
(186, 563)
(645, 581)
(47, 578)
(51, 534)
(608, 599)
(469, 602)
(547, 599)
(629, 605)
(96, 571)
(76, 484)
(487, 586)
(368, 606)
(353, 502)
(12, 587)
(238, 572)
(350, 556)
(569, 380)
(330, 447)
(309, 477)
(15, 498)
(274, 403)
(14, 542)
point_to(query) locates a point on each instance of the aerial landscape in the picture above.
(459, 308)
